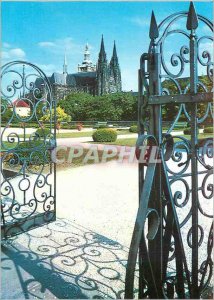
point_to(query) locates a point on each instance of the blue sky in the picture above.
(39, 32)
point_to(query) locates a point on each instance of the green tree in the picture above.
(114, 107)
(128, 104)
(77, 105)
(6, 111)
(61, 116)
(170, 110)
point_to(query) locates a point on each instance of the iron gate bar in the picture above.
(182, 98)
(138, 235)
(23, 208)
(172, 228)
(157, 278)
(192, 25)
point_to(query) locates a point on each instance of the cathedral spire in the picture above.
(114, 73)
(102, 54)
(102, 71)
(114, 55)
(87, 54)
(65, 65)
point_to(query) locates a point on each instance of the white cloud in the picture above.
(17, 52)
(5, 55)
(13, 53)
(58, 46)
(6, 45)
(48, 69)
(140, 21)
(46, 44)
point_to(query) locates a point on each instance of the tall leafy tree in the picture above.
(114, 107)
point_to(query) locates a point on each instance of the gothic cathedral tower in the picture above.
(115, 84)
(65, 69)
(102, 72)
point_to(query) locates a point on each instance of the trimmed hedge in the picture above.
(105, 135)
(42, 132)
(208, 130)
(188, 130)
(18, 125)
(101, 126)
(134, 128)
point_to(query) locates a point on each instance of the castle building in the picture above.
(102, 78)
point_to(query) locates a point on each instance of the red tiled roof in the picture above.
(20, 103)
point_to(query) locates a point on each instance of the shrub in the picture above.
(188, 130)
(134, 128)
(101, 126)
(32, 153)
(105, 135)
(208, 130)
(42, 132)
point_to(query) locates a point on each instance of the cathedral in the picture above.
(99, 79)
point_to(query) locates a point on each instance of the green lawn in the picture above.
(79, 134)
(85, 134)
(73, 134)
(61, 154)
(121, 142)
(78, 161)
(132, 141)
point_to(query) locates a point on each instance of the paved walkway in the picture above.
(84, 253)
(71, 141)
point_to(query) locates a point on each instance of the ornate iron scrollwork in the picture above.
(28, 184)
(176, 262)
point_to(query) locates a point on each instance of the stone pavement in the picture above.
(83, 254)
(63, 260)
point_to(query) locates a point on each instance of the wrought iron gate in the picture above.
(176, 191)
(27, 172)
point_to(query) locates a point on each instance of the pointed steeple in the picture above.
(65, 65)
(86, 65)
(65, 69)
(87, 54)
(102, 71)
(192, 19)
(102, 54)
(114, 73)
(114, 55)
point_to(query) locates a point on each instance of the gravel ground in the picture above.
(96, 207)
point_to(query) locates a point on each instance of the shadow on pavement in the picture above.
(62, 260)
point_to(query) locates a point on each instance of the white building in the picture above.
(21, 108)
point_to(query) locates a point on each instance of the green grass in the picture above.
(78, 161)
(73, 134)
(120, 142)
(78, 134)
(132, 141)
(84, 134)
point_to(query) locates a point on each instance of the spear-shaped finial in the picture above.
(153, 31)
(192, 19)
